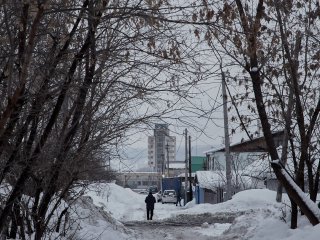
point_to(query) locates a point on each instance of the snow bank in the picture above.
(91, 222)
(242, 201)
(118, 201)
(261, 216)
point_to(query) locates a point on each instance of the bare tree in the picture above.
(75, 77)
(270, 46)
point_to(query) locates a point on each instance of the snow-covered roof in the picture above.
(210, 179)
(214, 179)
(260, 169)
(213, 149)
(183, 174)
(177, 165)
(253, 145)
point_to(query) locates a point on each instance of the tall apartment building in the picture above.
(161, 148)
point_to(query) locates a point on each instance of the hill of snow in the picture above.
(108, 204)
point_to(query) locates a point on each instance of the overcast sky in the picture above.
(206, 131)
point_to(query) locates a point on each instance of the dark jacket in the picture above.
(150, 201)
(178, 197)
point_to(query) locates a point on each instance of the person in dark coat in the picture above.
(178, 199)
(150, 201)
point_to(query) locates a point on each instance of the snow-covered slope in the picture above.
(260, 216)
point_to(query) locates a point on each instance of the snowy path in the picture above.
(221, 226)
(188, 220)
(184, 226)
(162, 232)
(250, 215)
(119, 214)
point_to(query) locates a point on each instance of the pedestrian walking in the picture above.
(150, 201)
(178, 199)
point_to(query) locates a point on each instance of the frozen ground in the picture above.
(120, 214)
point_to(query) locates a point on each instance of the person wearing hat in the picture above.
(150, 201)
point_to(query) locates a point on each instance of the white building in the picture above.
(139, 180)
(161, 149)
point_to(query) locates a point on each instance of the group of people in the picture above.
(151, 200)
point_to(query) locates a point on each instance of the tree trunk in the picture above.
(60, 219)
(293, 193)
(284, 154)
(279, 192)
(314, 191)
(14, 224)
(294, 215)
(251, 31)
(283, 178)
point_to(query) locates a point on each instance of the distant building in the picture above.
(211, 185)
(161, 149)
(139, 180)
(176, 168)
(242, 154)
(198, 163)
(249, 160)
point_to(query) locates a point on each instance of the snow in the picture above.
(254, 69)
(181, 165)
(211, 179)
(213, 230)
(312, 206)
(215, 179)
(258, 216)
(259, 169)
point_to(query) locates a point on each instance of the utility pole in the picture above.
(167, 148)
(190, 184)
(186, 170)
(162, 167)
(226, 139)
(109, 161)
